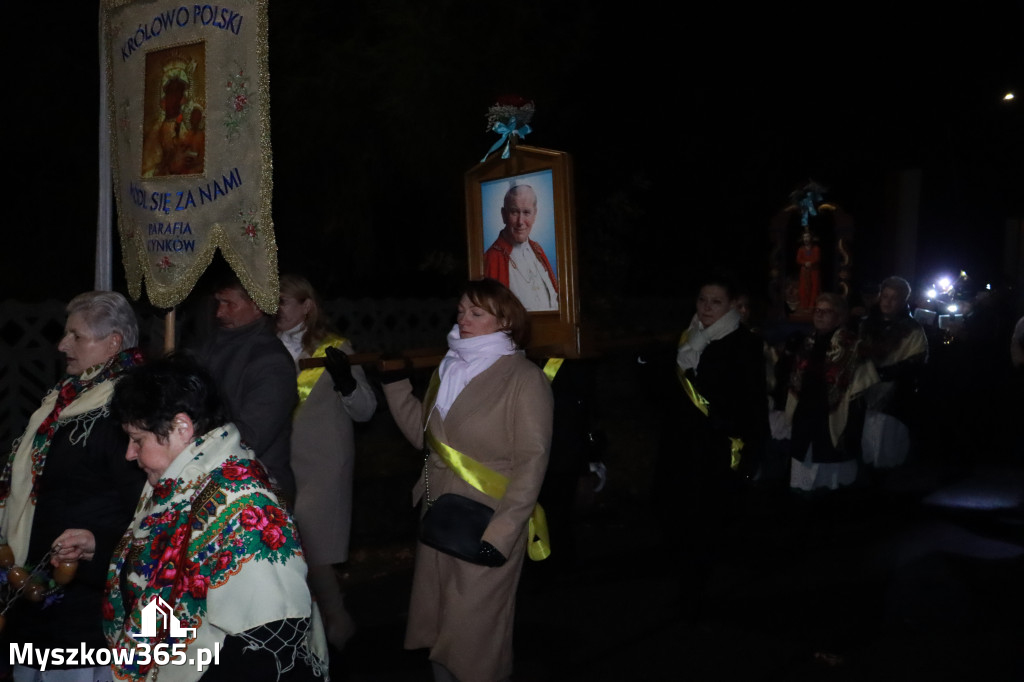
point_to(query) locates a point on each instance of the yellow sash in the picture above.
(701, 403)
(308, 377)
(488, 481)
(551, 367)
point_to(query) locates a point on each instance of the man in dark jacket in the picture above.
(256, 378)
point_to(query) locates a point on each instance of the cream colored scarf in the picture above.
(19, 509)
(697, 337)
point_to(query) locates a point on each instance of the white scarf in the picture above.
(465, 359)
(698, 337)
(292, 340)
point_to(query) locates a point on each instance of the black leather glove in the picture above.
(490, 556)
(340, 370)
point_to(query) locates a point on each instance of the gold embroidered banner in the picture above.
(188, 100)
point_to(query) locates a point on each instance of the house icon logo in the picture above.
(157, 615)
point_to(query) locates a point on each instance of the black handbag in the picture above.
(454, 525)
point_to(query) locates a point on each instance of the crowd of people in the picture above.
(198, 503)
(818, 408)
(216, 483)
(822, 403)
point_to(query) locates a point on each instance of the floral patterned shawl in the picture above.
(846, 376)
(213, 541)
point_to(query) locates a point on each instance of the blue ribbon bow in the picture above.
(506, 131)
(807, 207)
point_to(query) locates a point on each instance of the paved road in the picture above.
(921, 580)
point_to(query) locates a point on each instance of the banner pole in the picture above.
(104, 269)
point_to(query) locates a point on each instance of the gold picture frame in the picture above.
(501, 228)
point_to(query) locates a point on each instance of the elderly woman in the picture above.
(486, 423)
(323, 444)
(65, 490)
(897, 345)
(828, 377)
(209, 538)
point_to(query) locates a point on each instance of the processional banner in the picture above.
(188, 102)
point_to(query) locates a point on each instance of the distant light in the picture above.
(945, 282)
(989, 287)
(951, 308)
(1007, 97)
(931, 293)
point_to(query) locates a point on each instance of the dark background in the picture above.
(688, 126)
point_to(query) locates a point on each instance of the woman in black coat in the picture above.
(715, 430)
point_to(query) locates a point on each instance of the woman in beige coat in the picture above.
(323, 445)
(487, 402)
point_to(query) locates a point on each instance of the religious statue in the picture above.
(808, 257)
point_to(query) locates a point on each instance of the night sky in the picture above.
(688, 130)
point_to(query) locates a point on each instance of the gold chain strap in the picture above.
(426, 476)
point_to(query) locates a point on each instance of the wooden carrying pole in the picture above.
(424, 358)
(169, 331)
(410, 359)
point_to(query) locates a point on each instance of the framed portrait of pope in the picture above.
(520, 231)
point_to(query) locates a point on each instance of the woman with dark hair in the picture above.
(210, 538)
(486, 423)
(714, 432)
(66, 492)
(720, 364)
(323, 449)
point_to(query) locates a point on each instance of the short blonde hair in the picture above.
(317, 324)
(838, 302)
